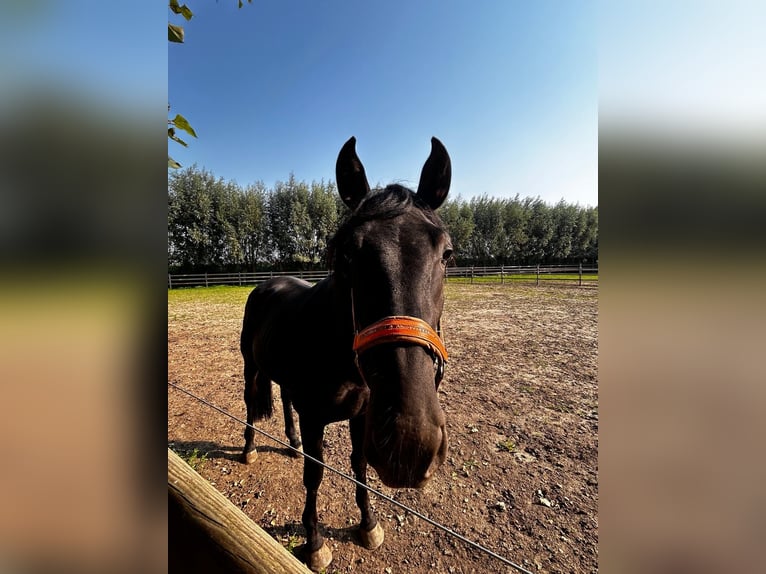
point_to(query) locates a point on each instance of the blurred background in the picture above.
(82, 311)
(682, 191)
(682, 162)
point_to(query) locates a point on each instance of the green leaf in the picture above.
(181, 123)
(173, 163)
(182, 9)
(172, 135)
(175, 33)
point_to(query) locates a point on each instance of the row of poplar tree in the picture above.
(217, 225)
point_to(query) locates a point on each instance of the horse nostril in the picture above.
(433, 467)
(439, 456)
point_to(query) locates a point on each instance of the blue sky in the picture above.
(278, 86)
(514, 89)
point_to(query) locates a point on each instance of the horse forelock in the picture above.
(392, 201)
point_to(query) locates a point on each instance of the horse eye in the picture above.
(343, 264)
(447, 255)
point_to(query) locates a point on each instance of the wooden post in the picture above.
(170, 281)
(538, 274)
(502, 275)
(206, 285)
(471, 274)
(580, 274)
(207, 533)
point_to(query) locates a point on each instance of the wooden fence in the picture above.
(514, 273)
(207, 533)
(244, 278)
(583, 275)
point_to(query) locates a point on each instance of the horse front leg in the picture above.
(249, 454)
(290, 431)
(316, 553)
(370, 531)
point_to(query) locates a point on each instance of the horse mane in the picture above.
(386, 203)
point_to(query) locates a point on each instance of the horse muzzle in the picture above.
(408, 462)
(407, 448)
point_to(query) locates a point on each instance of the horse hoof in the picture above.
(249, 457)
(295, 453)
(372, 539)
(319, 559)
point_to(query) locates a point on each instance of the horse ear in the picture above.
(436, 176)
(350, 176)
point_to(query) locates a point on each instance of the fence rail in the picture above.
(498, 274)
(513, 273)
(207, 533)
(244, 278)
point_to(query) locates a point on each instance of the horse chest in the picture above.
(332, 402)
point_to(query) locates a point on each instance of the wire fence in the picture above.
(568, 274)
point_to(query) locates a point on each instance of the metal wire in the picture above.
(352, 479)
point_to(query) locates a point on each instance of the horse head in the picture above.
(390, 256)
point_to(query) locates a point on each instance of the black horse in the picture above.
(362, 344)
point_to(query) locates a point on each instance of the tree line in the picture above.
(217, 225)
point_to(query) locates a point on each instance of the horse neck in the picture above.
(334, 300)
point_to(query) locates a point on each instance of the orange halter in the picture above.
(401, 329)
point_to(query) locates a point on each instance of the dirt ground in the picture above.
(521, 399)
